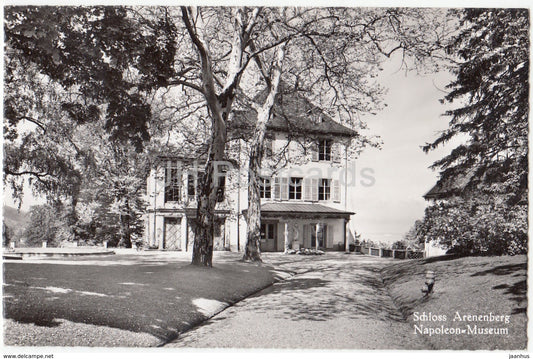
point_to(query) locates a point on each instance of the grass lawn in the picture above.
(125, 300)
(470, 285)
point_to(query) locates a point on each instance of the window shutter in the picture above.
(269, 183)
(314, 189)
(314, 152)
(149, 183)
(336, 191)
(307, 193)
(168, 172)
(184, 186)
(277, 188)
(336, 152)
(160, 177)
(221, 187)
(284, 189)
(179, 181)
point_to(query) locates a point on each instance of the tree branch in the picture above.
(205, 59)
(34, 121)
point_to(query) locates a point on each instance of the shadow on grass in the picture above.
(518, 293)
(446, 257)
(502, 270)
(153, 299)
(103, 312)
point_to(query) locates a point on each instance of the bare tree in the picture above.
(334, 54)
(219, 58)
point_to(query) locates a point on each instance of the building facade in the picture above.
(441, 192)
(304, 188)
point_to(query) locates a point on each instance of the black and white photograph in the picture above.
(265, 179)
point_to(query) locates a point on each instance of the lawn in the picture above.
(464, 286)
(125, 300)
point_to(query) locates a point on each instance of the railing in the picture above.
(375, 252)
(399, 254)
(390, 253)
(415, 255)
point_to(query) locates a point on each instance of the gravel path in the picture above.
(336, 301)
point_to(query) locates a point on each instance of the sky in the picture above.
(386, 210)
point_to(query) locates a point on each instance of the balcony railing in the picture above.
(390, 253)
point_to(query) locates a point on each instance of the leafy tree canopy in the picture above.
(489, 214)
(492, 84)
(107, 57)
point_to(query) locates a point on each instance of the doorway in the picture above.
(319, 233)
(269, 241)
(172, 240)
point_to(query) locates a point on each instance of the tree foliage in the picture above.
(493, 80)
(108, 63)
(111, 201)
(492, 86)
(68, 66)
(48, 223)
(77, 106)
(37, 134)
(101, 53)
(476, 225)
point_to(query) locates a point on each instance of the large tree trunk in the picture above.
(207, 198)
(124, 219)
(219, 106)
(202, 253)
(125, 235)
(253, 216)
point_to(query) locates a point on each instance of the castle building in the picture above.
(304, 187)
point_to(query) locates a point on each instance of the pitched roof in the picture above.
(455, 185)
(292, 112)
(448, 187)
(297, 209)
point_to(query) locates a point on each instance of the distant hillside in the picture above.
(15, 219)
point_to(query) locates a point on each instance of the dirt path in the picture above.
(332, 302)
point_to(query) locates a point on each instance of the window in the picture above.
(267, 231)
(172, 184)
(220, 181)
(324, 189)
(191, 188)
(295, 188)
(324, 150)
(265, 187)
(194, 180)
(221, 187)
